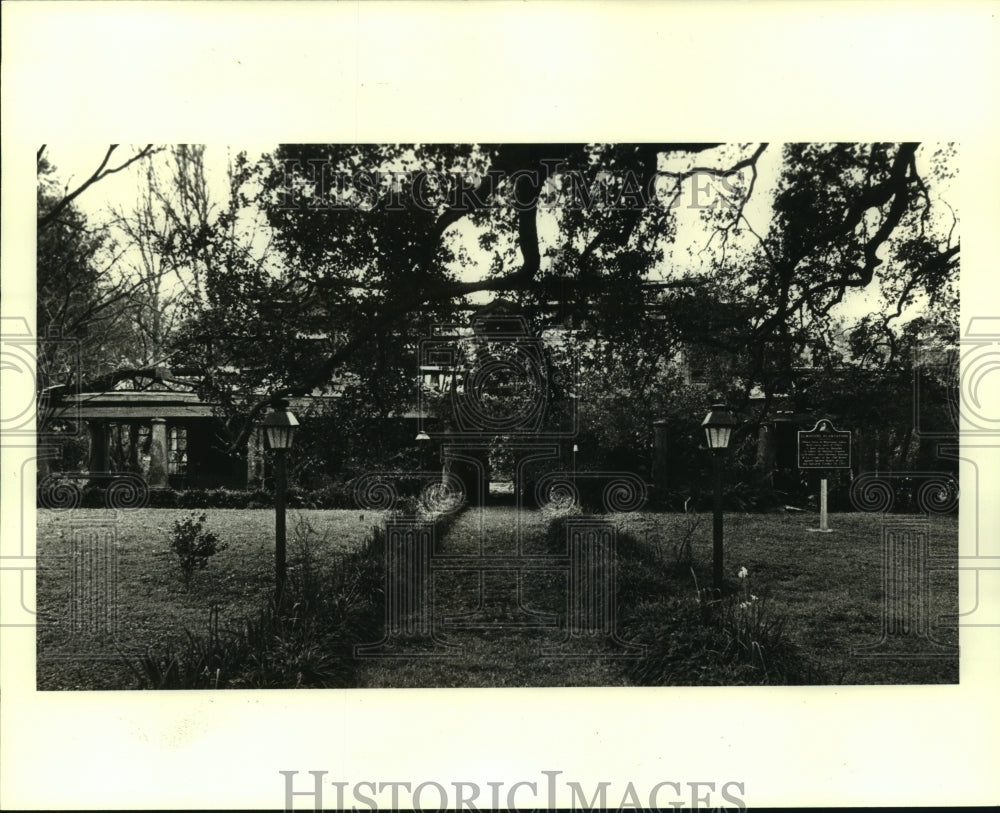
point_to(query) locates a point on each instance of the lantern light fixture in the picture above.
(718, 425)
(280, 426)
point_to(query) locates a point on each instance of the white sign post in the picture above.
(824, 447)
(823, 520)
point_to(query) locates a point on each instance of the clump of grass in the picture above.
(713, 637)
(681, 649)
(754, 632)
(560, 504)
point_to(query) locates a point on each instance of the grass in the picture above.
(153, 606)
(829, 587)
(825, 588)
(503, 651)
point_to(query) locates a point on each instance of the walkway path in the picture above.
(499, 610)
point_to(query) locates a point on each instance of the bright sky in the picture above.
(74, 163)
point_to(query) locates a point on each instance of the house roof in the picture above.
(135, 404)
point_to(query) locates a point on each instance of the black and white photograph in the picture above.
(537, 405)
(499, 415)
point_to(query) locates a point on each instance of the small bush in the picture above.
(164, 498)
(193, 544)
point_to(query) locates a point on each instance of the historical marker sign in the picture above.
(824, 447)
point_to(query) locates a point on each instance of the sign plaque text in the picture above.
(824, 447)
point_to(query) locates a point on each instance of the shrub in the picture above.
(193, 544)
(164, 498)
(336, 496)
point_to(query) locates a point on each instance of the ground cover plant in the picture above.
(797, 607)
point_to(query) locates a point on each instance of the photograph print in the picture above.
(497, 415)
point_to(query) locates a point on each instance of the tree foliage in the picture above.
(331, 261)
(80, 310)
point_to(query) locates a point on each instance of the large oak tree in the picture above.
(367, 245)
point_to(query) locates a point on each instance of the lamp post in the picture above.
(718, 426)
(280, 426)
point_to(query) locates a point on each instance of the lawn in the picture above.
(827, 587)
(152, 604)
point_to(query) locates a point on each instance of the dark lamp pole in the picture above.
(280, 426)
(718, 426)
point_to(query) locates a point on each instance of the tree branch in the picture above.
(100, 173)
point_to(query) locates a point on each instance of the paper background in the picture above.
(263, 72)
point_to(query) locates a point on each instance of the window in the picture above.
(177, 450)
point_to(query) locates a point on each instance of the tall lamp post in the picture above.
(280, 426)
(718, 426)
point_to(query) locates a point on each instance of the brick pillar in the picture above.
(158, 454)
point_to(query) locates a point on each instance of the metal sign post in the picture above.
(824, 447)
